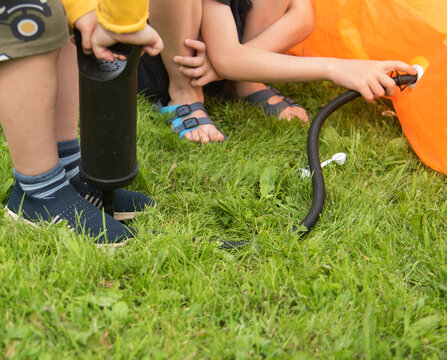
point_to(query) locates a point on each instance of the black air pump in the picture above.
(108, 119)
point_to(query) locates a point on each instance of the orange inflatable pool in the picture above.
(414, 31)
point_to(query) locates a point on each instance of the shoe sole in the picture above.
(125, 216)
(13, 216)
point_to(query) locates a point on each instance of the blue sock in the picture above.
(69, 156)
(43, 186)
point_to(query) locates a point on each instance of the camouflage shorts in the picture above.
(31, 27)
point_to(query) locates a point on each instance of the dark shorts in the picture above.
(240, 9)
(31, 27)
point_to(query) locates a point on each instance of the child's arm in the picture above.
(234, 61)
(290, 29)
(279, 36)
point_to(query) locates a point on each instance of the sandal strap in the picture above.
(274, 109)
(182, 127)
(180, 111)
(261, 98)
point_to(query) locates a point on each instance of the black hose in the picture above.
(314, 157)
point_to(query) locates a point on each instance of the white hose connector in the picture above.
(420, 70)
(339, 158)
(421, 64)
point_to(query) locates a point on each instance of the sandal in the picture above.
(180, 126)
(261, 98)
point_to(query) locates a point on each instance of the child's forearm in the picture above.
(235, 61)
(292, 28)
(250, 64)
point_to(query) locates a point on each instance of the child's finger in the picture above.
(86, 45)
(201, 81)
(377, 89)
(155, 48)
(189, 61)
(192, 72)
(197, 45)
(104, 53)
(388, 84)
(120, 57)
(399, 66)
(151, 50)
(367, 93)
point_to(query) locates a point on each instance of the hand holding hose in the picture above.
(369, 78)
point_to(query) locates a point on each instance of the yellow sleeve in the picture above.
(76, 8)
(123, 16)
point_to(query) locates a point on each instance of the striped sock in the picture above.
(43, 186)
(69, 156)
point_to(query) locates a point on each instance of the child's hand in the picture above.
(102, 39)
(197, 67)
(368, 77)
(87, 24)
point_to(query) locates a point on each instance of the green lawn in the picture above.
(368, 282)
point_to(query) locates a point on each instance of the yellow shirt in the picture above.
(115, 15)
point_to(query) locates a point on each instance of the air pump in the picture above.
(108, 119)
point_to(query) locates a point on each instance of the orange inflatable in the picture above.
(414, 31)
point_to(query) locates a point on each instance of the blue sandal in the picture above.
(261, 98)
(180, 126)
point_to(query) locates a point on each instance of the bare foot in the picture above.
(204, 133)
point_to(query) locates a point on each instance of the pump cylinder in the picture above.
(108, 118)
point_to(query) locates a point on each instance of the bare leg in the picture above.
(176, 21)
(27, 111)
(263, 14)
(67, 106)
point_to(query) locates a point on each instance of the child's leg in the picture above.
(28, 118)
(27, 111)
(176, 21)
(67, 106)
(262, 15)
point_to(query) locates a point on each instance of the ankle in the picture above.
(185, 95)
(43, 185)
(242, 89)
(69, 155)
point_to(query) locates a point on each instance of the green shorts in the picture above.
(31, 27)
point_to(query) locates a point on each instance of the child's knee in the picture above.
(308, 26)
(303, 26)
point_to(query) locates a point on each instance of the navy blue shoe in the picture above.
(127, 203)
(66, 204)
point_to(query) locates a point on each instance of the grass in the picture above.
(368, 282)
